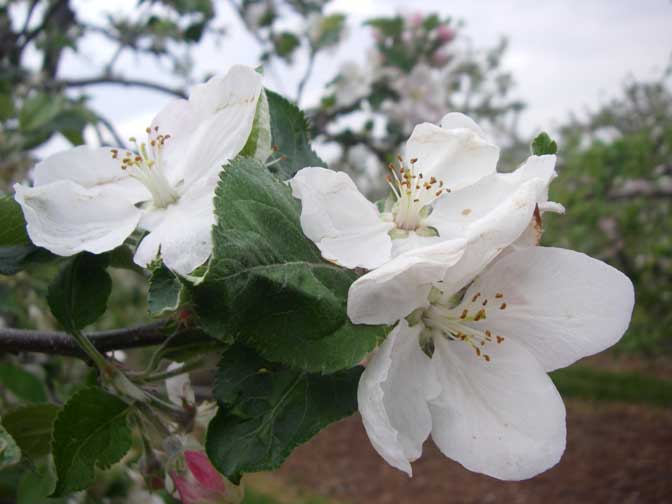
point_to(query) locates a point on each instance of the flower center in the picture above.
(145, 166)
(413, 194)
(458, 323)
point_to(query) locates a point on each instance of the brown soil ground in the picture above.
(619, 454)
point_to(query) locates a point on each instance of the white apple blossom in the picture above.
(353, 82)
(470, 367)
(447, 189)
(423, 94)
(92, 199)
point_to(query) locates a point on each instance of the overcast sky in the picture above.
(565, 55)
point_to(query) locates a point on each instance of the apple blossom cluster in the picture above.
(445, 281)
(481, 312)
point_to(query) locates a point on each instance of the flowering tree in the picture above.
(616, 175)
(434, 311)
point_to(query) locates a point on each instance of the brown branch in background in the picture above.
(119, 81)
(59, 343)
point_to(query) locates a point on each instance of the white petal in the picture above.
(66, 218)
(454, 120)
(491, 233)
(90, 168)
(458, 157)
(344, 225)
(179, 387)
(178, 120)
(560, 304)
(412, 242)
(392, 396)
(225, 108)
(182, 233)
(394, 290)
(454, 212)
(503, 418)
(541, 167)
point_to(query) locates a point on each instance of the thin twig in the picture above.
(59, 343)
(306, 75)
(118, 81)
(108, 125)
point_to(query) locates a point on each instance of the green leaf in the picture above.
(91, 430)
(330, 30)
(258, 144)
(23, 384)
(36, 485)
(388, 26)
(32, 427)
(290, 133)
(78, 296)
(15, 246)
(267, 284)
(267, 410)
(10, 453)
(38, 110)
(543, 144)
(165, 291)
(285, 44)
(13, 230)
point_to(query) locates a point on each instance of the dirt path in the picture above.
(618, 454)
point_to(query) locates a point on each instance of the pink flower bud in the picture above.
(440, 58)
(445, 34)
(202, 484)
(415, 20)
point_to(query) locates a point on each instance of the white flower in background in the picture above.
(447, 189)
(422, 97)
(178, 388)
(470, 369)
(353, 82)
(92, 199)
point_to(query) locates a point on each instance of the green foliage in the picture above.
(32, 427)
(543, 144)
(13, 231)
(43, 114)
(388, 26)
(23, 384)
(290, 133)
(10, 453)
(267, 410)
(36, 484)
(268, 286)
(586, 383)
(16, 249)
(165, 291)
(612, 181)
(329, 31)
(91, 431)
(78, 296)
(285, 44)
